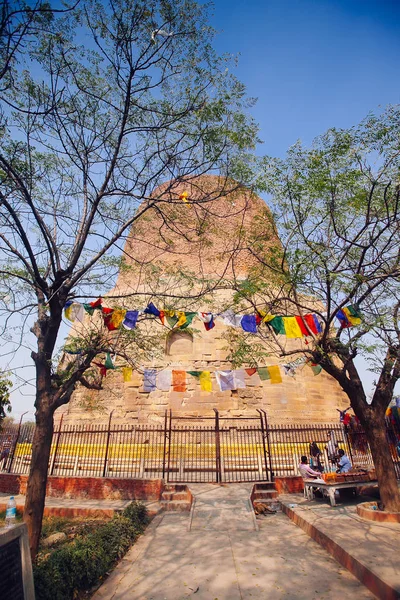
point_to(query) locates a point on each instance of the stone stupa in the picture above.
(203, 240)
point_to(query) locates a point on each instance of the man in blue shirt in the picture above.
(344, 463)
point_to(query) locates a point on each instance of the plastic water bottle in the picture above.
(11, 512)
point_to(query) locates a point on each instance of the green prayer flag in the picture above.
(89, 309)
(316, 369)
(195, 373)
(354, 311)
(278, 325)
(172, 321)
(108, 362)
(263, 373)
(189, 318)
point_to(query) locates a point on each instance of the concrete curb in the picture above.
(364, 574)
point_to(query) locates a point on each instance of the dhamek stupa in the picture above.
(180, 251)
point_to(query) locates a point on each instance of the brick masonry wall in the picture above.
(289, 485)
(95, 488)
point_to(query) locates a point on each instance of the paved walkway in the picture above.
(220, 553)
(369, 549)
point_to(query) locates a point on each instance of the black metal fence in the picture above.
(181, 449)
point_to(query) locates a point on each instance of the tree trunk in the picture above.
(36, 488)
(375, 430)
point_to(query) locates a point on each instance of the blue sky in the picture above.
(312, 65)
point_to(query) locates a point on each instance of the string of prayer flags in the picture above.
(164, 379)
(149, 380)
(178, 381)
(127, 373)
(130, 319)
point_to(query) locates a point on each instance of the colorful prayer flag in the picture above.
(74, 311)
(316, 368)
(250, 372)
(164, 379)
(178, 381)
(130, 320)
(239, 379)
(249, 324)
(127, 373)
(226, 380)
(292, 328)
(205, 381)
(352, 315)
(151, 310)
(149, 380)
(263, 373)
(301, 323)
(108, 363)
(277, 325)
(208, 320)
(275, 374)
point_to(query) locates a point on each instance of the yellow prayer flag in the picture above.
(275, 374)
(292, 328)
(205, 381)
(117, 317)
(353, 320)
(266, 317)
(184, 196)
(127, 373)
(181, 318)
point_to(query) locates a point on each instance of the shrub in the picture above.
(78, 566)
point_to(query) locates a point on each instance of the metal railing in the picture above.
(213, 449)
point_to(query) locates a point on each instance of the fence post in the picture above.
(16, 442)
(165, 444)
(107, 444)
(268, 444)
(57, 443)
(263, 440)
(169, 442)
(217, 447)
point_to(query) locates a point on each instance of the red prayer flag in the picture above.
(300, 321)
(309, 319)
(251, 372)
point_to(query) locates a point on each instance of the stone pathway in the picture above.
(218, 553)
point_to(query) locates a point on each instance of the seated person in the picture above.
(306, 471)
(344, 463)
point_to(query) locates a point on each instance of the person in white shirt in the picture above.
(306, 471)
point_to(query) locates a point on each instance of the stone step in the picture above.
(268, 485)
(175, 487)
(176, 505)
(264, 494)
(264, 501)
(167, 495)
